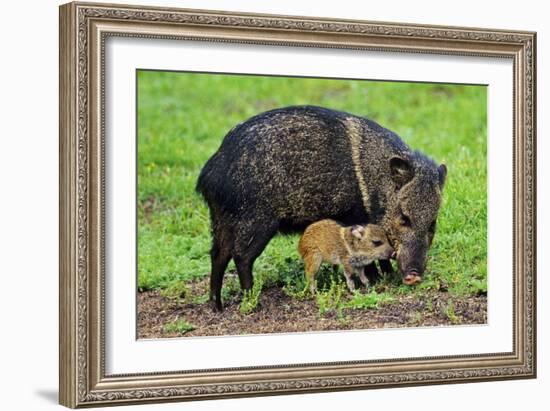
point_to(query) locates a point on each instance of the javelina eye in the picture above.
(405, 220)
(376, 243)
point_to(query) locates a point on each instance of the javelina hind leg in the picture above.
(250, 241)
(372, 272)
(220, 257)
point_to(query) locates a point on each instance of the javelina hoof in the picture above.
(216, 305)
(412, 279)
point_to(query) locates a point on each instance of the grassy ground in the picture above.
(182, 118)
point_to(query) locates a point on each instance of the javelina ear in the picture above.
(358, 231)
(401, 171)
(442, 170)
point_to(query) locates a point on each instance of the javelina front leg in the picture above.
(244, 269)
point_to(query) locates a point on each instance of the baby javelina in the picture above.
(354, 247)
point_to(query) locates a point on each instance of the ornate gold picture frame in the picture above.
(84, 29)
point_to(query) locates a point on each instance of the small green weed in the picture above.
(200, 299)
(176, 290)
(331, 300)
(251, 298)
(450, 313)
(478, 287)
(179, 326)
(429, 305)
(416, 317)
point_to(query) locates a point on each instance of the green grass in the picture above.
(360, 301)
(183, 117)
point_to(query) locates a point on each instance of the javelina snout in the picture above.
(411, 260)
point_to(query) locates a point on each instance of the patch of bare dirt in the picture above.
(279, 313)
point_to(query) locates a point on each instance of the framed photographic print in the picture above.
(260, 204)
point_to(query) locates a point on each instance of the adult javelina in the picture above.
(286, 168)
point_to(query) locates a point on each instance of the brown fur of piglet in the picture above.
(353, 247)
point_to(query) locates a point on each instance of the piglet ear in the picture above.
(442, 171)
(358, 231)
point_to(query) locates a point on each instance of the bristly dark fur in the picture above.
(286, 168)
